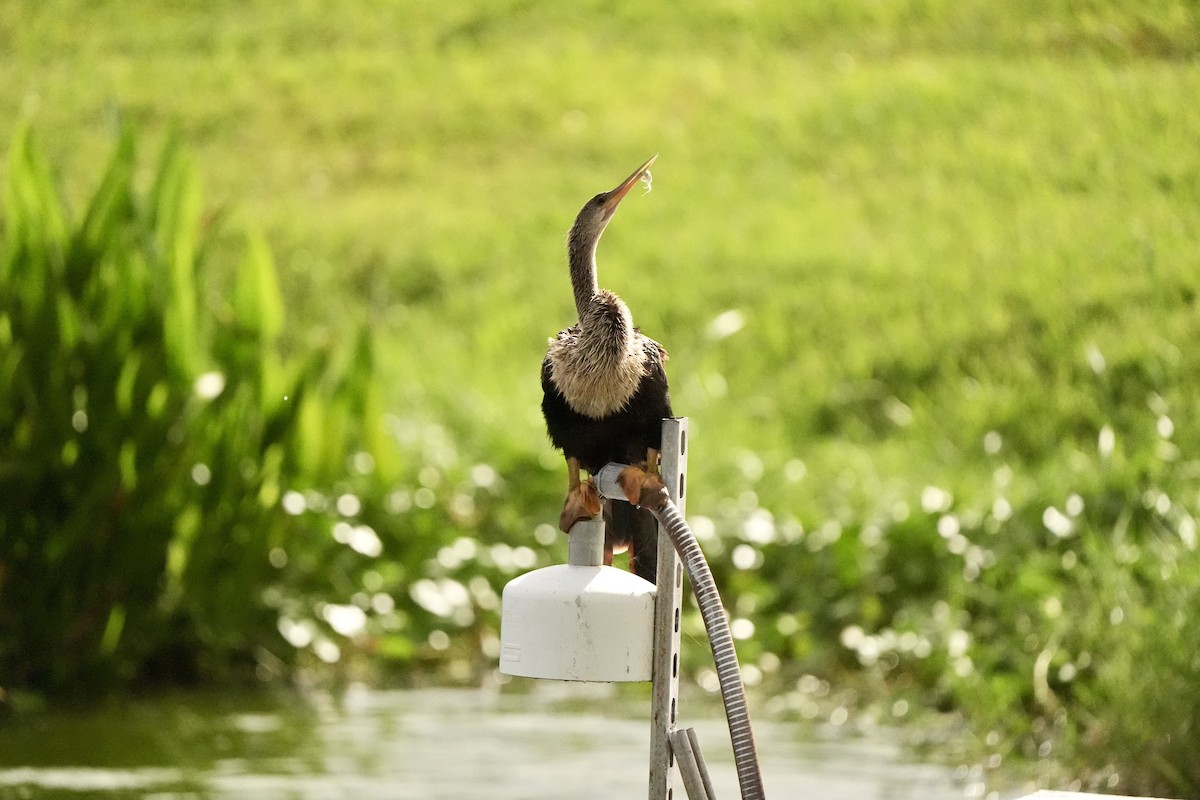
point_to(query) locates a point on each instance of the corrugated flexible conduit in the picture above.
(733, 692)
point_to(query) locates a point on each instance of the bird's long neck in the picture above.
(604, 319)
(599, 366)
(581, 256)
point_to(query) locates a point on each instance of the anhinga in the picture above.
(605, 394)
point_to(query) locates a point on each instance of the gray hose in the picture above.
(733, 693)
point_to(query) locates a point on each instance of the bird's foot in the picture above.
(583, 502)
(638, 485)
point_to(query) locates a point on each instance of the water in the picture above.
(568, 742)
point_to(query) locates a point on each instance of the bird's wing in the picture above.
(564, 338)
(655, 352)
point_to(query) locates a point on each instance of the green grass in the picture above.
(896, 197)
(940, 223)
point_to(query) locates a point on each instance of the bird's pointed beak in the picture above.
(616, 195)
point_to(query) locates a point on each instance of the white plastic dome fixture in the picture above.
(579, 621)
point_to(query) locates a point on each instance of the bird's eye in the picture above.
(598, 200)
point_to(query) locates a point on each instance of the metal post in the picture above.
(667, 611)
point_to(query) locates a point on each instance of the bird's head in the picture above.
(596, 213)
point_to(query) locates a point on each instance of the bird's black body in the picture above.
(623, 436)
(605, 390)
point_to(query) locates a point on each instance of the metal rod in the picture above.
(691, 764)
(705, 779)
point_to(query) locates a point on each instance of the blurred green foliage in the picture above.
(927, 272)
(143, 441)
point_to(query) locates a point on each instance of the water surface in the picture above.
(426, 744)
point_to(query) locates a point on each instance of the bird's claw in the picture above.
(583, 502)
(638, 485)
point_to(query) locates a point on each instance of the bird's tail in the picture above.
(626, 524)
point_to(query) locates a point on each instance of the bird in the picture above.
(605, 395)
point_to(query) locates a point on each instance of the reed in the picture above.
(144, 437)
